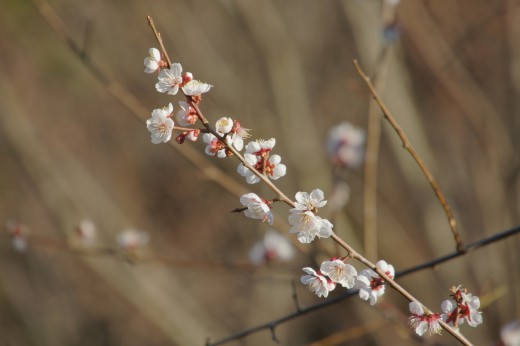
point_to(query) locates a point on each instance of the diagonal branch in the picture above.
(408, 146)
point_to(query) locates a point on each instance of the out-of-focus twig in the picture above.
(133, 104)
(371, 162)
(408, 146)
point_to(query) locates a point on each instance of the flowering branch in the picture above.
(302, 216)
(408, 146)
(305, 223)
(405, 272)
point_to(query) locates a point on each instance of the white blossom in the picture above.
(151, 62)
(371, 285)
(273, 246)
(224, 125)
(308, 226)
(194, 88)
(161, 125)
(170, 79)
(339, 272)
(186, 115)
(422, 322)
(131, 239)
(317, 283)
(306, 201)
(256, 208)
(463, 307)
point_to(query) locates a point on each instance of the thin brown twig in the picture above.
(159, 40)
(408, 146)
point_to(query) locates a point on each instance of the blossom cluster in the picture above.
(171, 79)
(462, 306)
(370, 285)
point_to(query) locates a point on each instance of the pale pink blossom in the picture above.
(161, 125)
(256, 208)
(423, 322)
(346, 145)
(258, 155)
(302, 217)
(152, 61)
(510, 334)
(317, 283)
(339, 272)
(170, 79)
(186, 115)
(312, 201)
(131, 239)
(273, 246)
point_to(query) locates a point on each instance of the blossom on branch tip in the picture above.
(224, 125)
(317, 283)
(423, 322)
(161, 125)
(153, 61)
(339, 272)
(170, 79)
(195, 88)
(312, 201)
(272, 247)
(371, 285)
(256, 208)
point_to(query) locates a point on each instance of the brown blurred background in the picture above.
(70, 150)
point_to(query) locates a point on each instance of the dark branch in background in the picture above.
(430, 264)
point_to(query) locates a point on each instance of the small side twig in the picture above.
(408, 146)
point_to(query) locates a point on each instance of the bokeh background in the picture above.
(70, 150)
